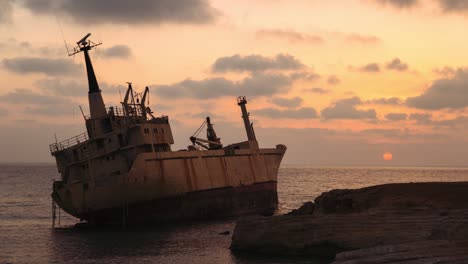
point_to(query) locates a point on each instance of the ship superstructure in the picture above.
(123, 170)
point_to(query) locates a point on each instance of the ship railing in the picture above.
(133, 110)
(58, 146)
(116, 111)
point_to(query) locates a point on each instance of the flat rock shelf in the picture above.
(391, 223)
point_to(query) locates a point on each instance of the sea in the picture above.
(27, 236)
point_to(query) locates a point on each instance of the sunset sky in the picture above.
(338, 82)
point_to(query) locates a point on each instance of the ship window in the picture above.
(109, 140)
(155, 130)
(162, 130)
(148, 148)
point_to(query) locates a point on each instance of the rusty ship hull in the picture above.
(194, 185)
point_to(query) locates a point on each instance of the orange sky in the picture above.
(350, 57)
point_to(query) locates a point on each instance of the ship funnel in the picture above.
(242, 101)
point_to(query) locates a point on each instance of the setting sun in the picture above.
(387, 156)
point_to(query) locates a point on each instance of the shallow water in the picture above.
(26, 235)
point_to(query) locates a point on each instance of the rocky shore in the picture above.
(411, 223)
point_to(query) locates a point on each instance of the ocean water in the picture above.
(26, 235)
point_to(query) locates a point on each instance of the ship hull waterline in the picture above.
(259, 198)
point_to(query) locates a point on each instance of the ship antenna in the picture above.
(84, 44)
(63, 36)
(82, 113)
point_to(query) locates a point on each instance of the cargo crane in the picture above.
(212, 141)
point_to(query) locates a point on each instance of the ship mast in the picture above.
(98, 123)
(97, 108)
(242, 101)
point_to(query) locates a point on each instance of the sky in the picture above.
(340, 83)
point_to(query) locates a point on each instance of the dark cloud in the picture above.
(287, 102)
(421, 118)
(26, 65)
(346, 109)
(256, 85)
(386, 101)
(300, 113)
(254, 63)
(450, 93)
(117, 51)
(5, 10)
(400, 3)
(362, 39)
(333, 80)
(290, 36)
(397, 65)
(127, 12)
(396, 116)
(454, 6)
(317, 90)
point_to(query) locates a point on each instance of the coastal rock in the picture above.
(343, 220)
(435, 251)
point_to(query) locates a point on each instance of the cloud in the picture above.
(63, 87)
(445, 71)
(333, 80)
(58, 109)
(421, 118)
(386, 101)
(460, 121)
(13, 45)
(317, 90)
(34, 103)
(371, 67)
(362, 39)
(254, 63)
(25, 96)
(399, 3)
(27, 65)
(291, 36)
(287, 102)
(300, 113)
(346, 109)
(127, 12)
(453, 6)
(256, 85)
(5, 10)
(117, 51)
(3, 112)
(304, 75)
(73, 88)
(397, 65)
(449, 93)
(396, 116)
